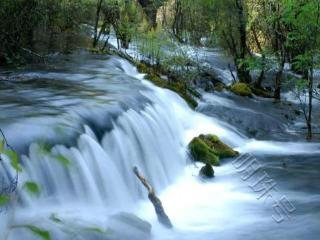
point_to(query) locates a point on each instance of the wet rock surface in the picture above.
(127, 226)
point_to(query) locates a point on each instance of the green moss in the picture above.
(155, 79)
(218, 147)
(98, 51)
(262, 92)
(210, 149)
(177, 87)
(194, 92)
(183, 92)
(241, 89)
(143, 68)
(201, 152)
(207, 171)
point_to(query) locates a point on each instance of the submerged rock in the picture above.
(241, 89)
(127, 226)
(207, 171)
(209, 149)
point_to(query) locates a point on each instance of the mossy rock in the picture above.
(207, 171)
(183, 92)
(210, 149)
(156, 79)
(201, 152)
(262, 92)
(218, 147)
(219, 87)
(152, 74)
(241, 89)
(143, 68)
(177, 87)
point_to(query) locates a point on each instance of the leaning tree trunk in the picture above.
(161, 214)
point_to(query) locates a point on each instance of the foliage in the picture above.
(4, 200)
(155, 45)
(43, 234)
(130, 19)
(24, 23)
(63, 160)
(32, 188)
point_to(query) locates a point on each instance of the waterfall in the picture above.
(93, 179)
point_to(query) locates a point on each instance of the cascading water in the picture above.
(83, 185)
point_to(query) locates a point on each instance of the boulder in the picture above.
(218, 147)
(200, 151)
(241, 89)
(209, 149)
(207, 171)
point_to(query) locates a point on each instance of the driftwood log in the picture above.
(161, 214)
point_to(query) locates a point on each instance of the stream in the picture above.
(104, 118)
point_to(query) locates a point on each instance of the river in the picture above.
(104, 118)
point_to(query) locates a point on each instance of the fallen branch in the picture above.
(162, 216)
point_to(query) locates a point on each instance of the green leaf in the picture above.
(1, 145)
(95, 229)
(4, 200)
(43, 234)
(44, 148)
(32, 188)
(14, 159)
(63, 160)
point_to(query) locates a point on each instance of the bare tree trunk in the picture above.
(277, 87)
(310, 106)
(95, 38)
(243, 73)
(279, 48)
(258, 83)
(177, 26)
(150, 8)
(162, 216)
